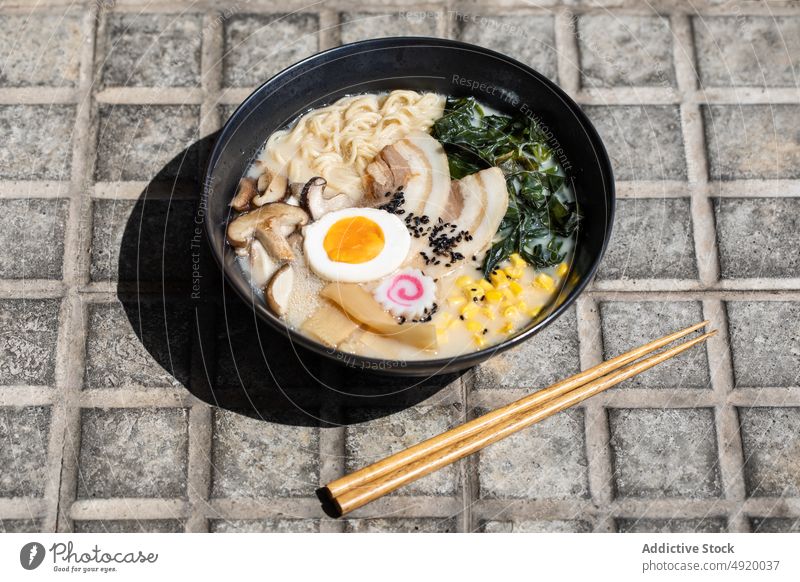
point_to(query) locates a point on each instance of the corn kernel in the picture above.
(544, 281)
(517, 260)
(534, 311)
(474, 326)
(508, 294)
(499, 278)
(474, 292)
(480, 341)
(515, 287)
(522, 306)
(444, 319)
(562, 269)
(514, 272)
(457, 300)
(442, 336)
(510, 312)
(489, 313)
(485, 285)
(494, 296)
(463, 281)
(469, 311)
(507, 328)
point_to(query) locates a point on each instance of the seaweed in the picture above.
(538, 217)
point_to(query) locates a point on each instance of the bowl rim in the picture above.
(448, 364)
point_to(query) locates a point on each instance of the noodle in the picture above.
(337, 142)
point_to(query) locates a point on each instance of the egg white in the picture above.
(397, 243)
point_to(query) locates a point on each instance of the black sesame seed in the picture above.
(461, 317)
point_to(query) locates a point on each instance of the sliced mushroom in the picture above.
(279, 290)
(262, 266)
(263, 181)
(270, 225)
(318, 203)
(273, 190)
(247, 191)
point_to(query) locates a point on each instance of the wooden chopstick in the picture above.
(391, 463)
(357, 496)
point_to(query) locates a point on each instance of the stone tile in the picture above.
(764, 342)
(144, 240)
(19, 526)
(644, 142)
(133, 452)
(527, 38)
(37, 142)
(752, 141)
(355, 26)
(651, 239)
(23, 454)
(257, 458)
(754, 51)
(372, 440)
(28, 341)
(536, 526)
(757, 237)
(771, 442)
(672, 525)
(664, 452)
(129, 526)
(32, 236)
(153, 50)
(623, 50)
(626, 325)
(547, 357)
(137, 348)
(775, 524)
(143, 142)
(41, 50)
(545, 461)
(259, 45)
(264, 526)
(401, 525)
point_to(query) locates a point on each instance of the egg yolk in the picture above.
(355, 239)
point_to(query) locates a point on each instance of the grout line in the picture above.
(150, 95)
(331, 460)
(33, 189)
(567, 52)
(598, 453)
(430, 506)
(468, 467)
(70, 346)
(198, 487)
(726, 420)
(702, 213)
(328, 29)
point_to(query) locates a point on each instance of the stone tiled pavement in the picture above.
(103, 430)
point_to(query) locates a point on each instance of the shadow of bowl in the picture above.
(197, 328)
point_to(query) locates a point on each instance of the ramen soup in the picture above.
(406, 225)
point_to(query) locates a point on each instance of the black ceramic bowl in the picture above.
(423, 64)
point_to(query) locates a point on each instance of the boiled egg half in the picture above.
(354, 245)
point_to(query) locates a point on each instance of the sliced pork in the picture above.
(417, 164)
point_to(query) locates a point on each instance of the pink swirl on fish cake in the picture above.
(407, 293)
